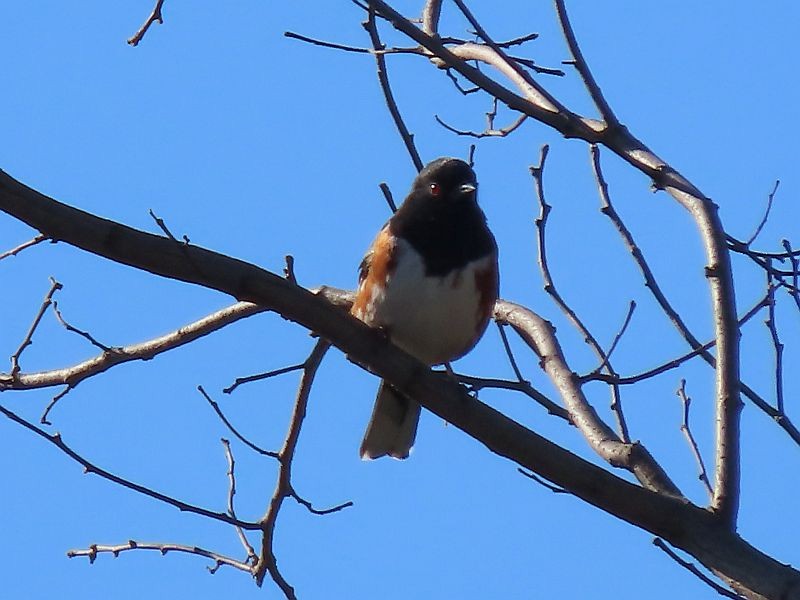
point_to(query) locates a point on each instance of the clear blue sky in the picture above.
(259, 146)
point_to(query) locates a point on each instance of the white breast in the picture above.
(432, 318)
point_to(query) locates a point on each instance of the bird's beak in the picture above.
(467, 188)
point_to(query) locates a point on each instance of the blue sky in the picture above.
(259, 146)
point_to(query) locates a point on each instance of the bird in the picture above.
(429, 281)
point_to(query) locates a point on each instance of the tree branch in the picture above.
(267, 562)
(89, 467)
(16, 250)
(72, 376)
(676, 520)
(92, 551)
(155, 15)
(383, 78)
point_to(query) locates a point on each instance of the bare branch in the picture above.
(792, 255)
(540, 105)
(84, 334)
(537, 172)
(772, 327)
(288, 270)
(162, 225)
(267, 562)
(318, 511)
(763, 221)
(155, 15)
(387, 194)
(539, 335)
(261, 376)
(89, 467)
(742, 248)
(675, 362)
(72, 376)
(728, 405)
(618, 336)
(231, 428)
(507, 347)
(14, 251)
(686, 401)
(553, 488)
(383, 78)
(476, 384)
(430, 17)
(542, 93)
(688, 527)
(28, 339)
(325, 44)
(694, 570)
(252, 557)
(698, 348)
(583, 68)
(44, 419)
(518, 40)
(489, 132)
(219, 560)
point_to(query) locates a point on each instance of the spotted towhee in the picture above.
(429, 280)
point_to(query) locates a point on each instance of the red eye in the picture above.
(435, 189)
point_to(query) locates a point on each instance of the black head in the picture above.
(441, 219)
(445, 180)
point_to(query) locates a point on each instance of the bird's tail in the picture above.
(392, 427)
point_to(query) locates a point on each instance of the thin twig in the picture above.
(582, 67)
(795, 262)
(231, 428)
(546, 96)
(44, 419)
(695, 571)
(489, 132)
(618, 337)
(252, 557)
(260, 376)
(73, 375)
(687, 432)
(288, 270)
(675, 362)
(28, 339)
(509, 353)
(89, 467)
(464, 91)
(553, 488)
(219, 560)
(162, 225)
(14, 251)
(383, 78)
(387, 194)
(549, 286)
(155, 15)
(518, 40)
(319, 511)
(763, 222)
(475, 384)
(84, 334)
(743, 248)
(267, 562)
(772, 327)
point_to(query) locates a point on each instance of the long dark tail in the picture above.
(392, 427)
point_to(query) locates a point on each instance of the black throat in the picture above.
(447, 235)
